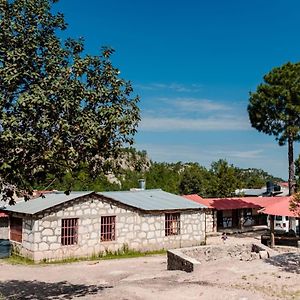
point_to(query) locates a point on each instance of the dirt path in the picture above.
(147, 278)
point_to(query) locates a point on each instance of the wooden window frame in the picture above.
(16, 229)
(172, 224)
(108, 229)
(69, 231)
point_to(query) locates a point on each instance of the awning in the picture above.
(280, 208)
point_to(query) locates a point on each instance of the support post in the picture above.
(272, 231)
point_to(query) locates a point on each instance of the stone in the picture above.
(150, 235)
(47, 231)
(145, 227)
(79, 212)
(46, 224)
(142, 235)
(43, 246)
(52, 239)
(263, 255)
(54, 246)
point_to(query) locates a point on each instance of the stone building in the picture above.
(4, 232)
(82, 224)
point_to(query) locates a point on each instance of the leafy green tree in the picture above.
(224, 179)
(275, 109)
(165, 176)
(195, 180)
(59, 108)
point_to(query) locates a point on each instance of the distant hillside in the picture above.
(220, 180)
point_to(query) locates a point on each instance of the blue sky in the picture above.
(193, 63)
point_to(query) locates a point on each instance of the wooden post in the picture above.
(272, 235)
(241, 219)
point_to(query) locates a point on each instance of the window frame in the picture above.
(172, 224)
(108, 228)
(69, 231)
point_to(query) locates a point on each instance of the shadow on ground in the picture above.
(289, 262)
(21, 289)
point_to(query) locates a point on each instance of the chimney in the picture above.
(270, 188)
(142, 184)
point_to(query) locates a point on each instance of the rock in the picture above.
(263, 255)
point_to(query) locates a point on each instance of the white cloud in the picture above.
(222, 123)
(200, 105)
(241, 154)
(177, 87)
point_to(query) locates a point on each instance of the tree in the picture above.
(224, 180)
(59, 108)
(195, 180)
(275, 109)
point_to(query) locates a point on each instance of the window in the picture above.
(278, 218)
(108, 228)
(172, 224)
(16, 225)
(69, 232)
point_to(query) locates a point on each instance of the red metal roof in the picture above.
(3, 215)
(237, 202)
(280, 208)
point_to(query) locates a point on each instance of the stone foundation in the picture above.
(190, 259)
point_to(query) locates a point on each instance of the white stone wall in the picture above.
(26, 248)
(138, 231)
(4, 229)
(211, 221)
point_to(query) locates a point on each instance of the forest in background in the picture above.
(220, 180)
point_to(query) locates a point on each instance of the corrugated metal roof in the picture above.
(152, 200)
(36, 205)
(235, 202)
(280, 207)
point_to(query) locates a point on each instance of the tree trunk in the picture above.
(292, 183)
(291, 166)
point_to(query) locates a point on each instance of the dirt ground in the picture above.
(147, 278)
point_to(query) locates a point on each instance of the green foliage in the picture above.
(165, 176)
(221, 180)
(224, 180)
(195, 179)
(275, 108)
(295, 204)
(59, 107)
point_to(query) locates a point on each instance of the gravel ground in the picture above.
(147, 278)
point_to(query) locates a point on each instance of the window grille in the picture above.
(69, 231)
(16, 225)
(172, 224)
(108, 228)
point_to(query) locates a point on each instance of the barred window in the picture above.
(16, 225)
(69, 231)
(172, 224)
(108, 228)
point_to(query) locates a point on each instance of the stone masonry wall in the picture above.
(139, 231)
(211, 221)
(4, 229)
(26, 248)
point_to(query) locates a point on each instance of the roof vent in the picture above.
(142, 184)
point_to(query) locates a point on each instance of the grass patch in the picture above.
(18, 260)
(124, 252)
